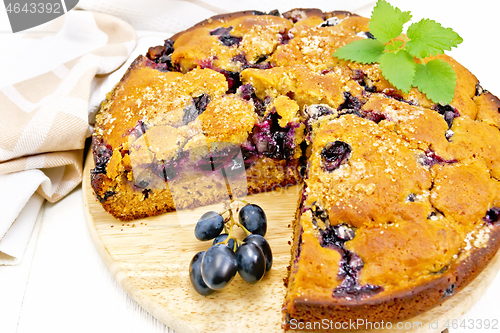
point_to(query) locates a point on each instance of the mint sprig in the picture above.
(401, 58)
(387, 22)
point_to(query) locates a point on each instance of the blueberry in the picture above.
(233, 80)
(169, 46)
(224, 36)
(195, 275)
(246, 91)
(209, 226)
(492, 215)
(350, 102)
(448, 117)
(373, 116)
(411, 197)
(357, 290)
(190, 114)
(335, 154)
(448, 112)
(278, 147)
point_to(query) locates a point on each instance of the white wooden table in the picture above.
(62, 285)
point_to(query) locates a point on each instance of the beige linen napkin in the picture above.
(45, 88)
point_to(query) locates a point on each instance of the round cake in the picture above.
(400, 196)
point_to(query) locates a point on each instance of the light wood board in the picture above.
(149, 258)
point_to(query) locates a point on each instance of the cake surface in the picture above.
(401, 196)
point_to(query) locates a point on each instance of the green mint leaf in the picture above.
(437, 80)
(427, 37)
(387, 22)
(394, 46)
(365, 51)
(398, 68)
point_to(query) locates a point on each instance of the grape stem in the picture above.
(232, 222)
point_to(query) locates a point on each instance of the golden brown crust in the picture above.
(405, 303)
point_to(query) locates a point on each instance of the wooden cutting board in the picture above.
(149, 258)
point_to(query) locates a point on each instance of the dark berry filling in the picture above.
(295, 15)
(330, 22)
(233, 80)
(335, 236)
(161, 56)
(224, 36)
(373, 116)
(286, 36)
(192, 111)
(102, 154)
(351, 105)
(318, 213)
(448, 112)
(155, 52)
(272, 140)
(411, 197)
(350, 265)
(391, 93)
(335, 154)
(169, 47)
(449, 291)
(316, 111)
(350, 287)
(259, 64)
(492, 215)
(274, 12)
(247, 92)
(106, 195)
(479, 89)
(250, 155)
(430, 158)
(221, 31)
(360, 77)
